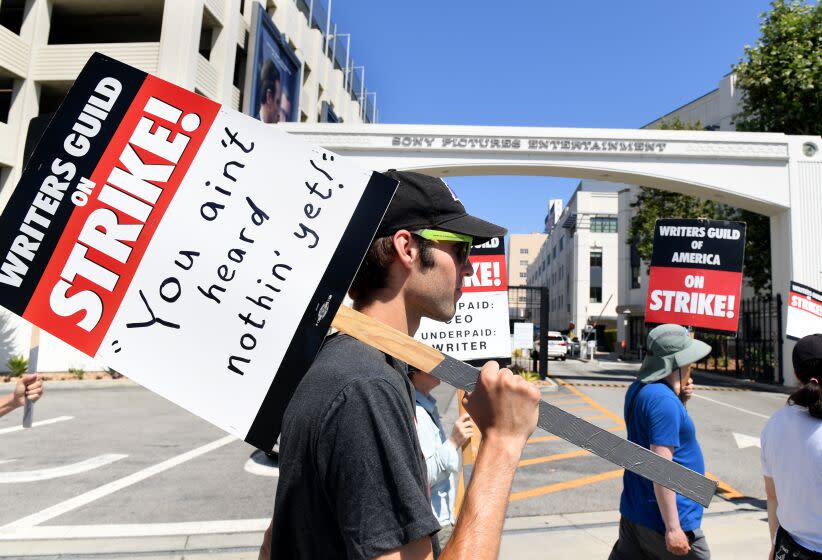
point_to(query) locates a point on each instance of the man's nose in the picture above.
(467, 269)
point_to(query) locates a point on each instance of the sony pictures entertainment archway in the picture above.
(773, 174)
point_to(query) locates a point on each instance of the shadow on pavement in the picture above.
(604, 377)
(753, 502)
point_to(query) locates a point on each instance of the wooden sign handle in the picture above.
(467, 459)
(384, 338)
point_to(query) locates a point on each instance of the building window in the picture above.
(554, 252)
(523, 251)
(523, 263)
(11, 15)
(604, 224)
(523, 299)
(73, 23)
(561, 243)
(6, 90)
(523, 275)
(595, 295)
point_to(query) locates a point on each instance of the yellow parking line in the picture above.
(725, 490)
(593, 403)
(555, 457)
(576, 483)
(577, 407)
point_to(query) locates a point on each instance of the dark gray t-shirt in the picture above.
(352, 476)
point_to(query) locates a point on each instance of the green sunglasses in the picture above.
(464, 241)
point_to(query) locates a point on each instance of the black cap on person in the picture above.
(807, 357)
(422, 201)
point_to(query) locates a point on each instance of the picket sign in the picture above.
(804, 311)
(571, 428)
(190, 247)
(696, 274)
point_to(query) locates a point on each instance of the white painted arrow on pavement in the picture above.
(57, 472)
(743, 441)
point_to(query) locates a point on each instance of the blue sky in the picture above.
(599, 64)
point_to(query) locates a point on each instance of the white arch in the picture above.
(773, 174)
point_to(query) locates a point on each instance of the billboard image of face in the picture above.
(273, 74)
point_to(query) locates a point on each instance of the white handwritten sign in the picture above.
(192, 248)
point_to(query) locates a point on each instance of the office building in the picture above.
(578, 262)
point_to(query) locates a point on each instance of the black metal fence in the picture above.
(529, 304)
(756, 352)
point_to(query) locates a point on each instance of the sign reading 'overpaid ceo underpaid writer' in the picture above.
(696, 274)
(479, 329)
(192, 248)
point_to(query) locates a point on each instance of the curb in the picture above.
(214, 545)
(69, 384)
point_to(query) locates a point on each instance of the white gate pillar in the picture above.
(796, 233)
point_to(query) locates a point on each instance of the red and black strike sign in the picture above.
(696, 274)
(489, 268)
(804, 311)
(124, 140)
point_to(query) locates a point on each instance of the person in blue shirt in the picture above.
(656, 522)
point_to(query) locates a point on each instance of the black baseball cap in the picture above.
(807, 356)
(422, 201)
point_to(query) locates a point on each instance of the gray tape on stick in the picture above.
(605, 444)
(28, 413)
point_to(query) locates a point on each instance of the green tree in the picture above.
(781, 76)
(653, 204)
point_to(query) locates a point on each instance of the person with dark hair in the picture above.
(353, 480)
(792, 461)
(656, 523)
(270, 92)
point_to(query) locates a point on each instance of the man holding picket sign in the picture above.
(352, 475)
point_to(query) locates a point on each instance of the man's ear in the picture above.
(406, 248)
